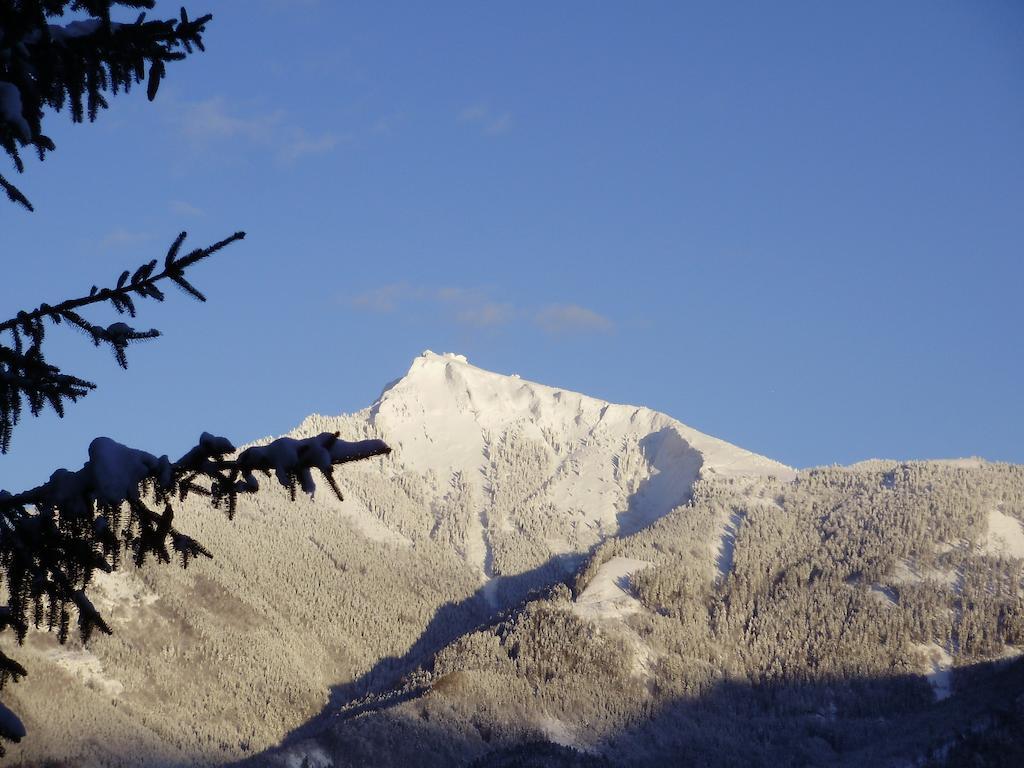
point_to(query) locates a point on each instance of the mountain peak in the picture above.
(430, 357)
(514, 473)
(444, 410)
(433, 371)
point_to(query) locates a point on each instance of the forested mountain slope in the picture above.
(496, 488)
(862, 616)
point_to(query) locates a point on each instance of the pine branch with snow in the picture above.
(50, 65)
(53, 538)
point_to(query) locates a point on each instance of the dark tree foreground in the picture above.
(76, 62)
(53, 538)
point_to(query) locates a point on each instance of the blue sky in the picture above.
(797, 226)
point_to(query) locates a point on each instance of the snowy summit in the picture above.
(521, 459)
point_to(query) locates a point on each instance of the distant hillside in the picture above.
(869, 616)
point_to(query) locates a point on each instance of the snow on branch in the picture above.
(55, 536)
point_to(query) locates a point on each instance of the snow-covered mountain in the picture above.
(517, 472)
(445, 415)
(496, 486)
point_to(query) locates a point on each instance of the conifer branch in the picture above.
(54, 537)
(142, 283)
(45, 65)
(24, 373)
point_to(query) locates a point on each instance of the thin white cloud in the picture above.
(472, 114)
(456, 295)
(182, 208)
(499, 125)
(486, 315)
(124, 238)
(480, 115)
(472, 307)
(382, 300)
(477, 308)
(571, 318)
(303, 144)
(386, 125)
(214, 119)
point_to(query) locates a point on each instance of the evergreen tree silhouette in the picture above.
(54, 537)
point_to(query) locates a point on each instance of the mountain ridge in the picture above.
(614, 468)
(424, 372)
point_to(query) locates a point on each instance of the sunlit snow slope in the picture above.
(506, 458)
